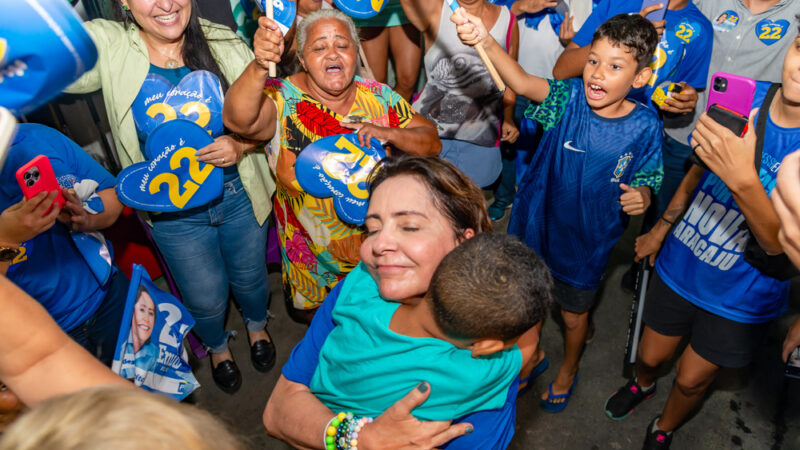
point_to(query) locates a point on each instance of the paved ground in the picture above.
(752, 408)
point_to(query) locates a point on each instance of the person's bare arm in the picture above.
(786, 199)
(37, 360)
(650, 243)
(419, 137)
(731, 159)
(294, 415)
(509, 131)
(571, 62)
(247, 111)
(471, 31)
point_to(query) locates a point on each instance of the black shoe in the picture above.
(227, 376)
(622, 402)
(262, 354)
(656, 440)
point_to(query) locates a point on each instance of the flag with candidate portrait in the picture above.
(150, 349)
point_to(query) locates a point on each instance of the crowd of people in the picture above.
(603, 117)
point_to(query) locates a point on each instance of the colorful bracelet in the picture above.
(342, 431)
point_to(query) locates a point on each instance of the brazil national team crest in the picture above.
(771, 31)
(726, 21)
(173, 179)
(622, 163)
(336, 166)
(197, 98)
(43, 48)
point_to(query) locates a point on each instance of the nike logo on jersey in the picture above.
(568, 146)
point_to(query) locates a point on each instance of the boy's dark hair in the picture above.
(634, 32)
(492, 286)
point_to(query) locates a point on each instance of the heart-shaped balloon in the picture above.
(336, 166)
(360, 9)
(43, 48)
(174, 179)
(197, 98)
(771, 31)
(283, 12)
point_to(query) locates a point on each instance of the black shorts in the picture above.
(722, 341)
(573, 299)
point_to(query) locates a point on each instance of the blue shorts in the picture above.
(481, 164)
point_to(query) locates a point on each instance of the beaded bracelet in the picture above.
(341, 433)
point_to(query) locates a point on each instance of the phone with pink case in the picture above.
(733, 92)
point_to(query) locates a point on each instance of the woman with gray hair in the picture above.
(325, 98)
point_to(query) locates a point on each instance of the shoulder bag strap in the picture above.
(761, 123)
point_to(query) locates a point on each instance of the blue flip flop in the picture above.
(538, 370)
(551, 407)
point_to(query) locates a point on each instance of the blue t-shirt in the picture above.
(51, 269)
(702, 259)
(567, 206)
(364, 366)
(492, 428)
(683, 54)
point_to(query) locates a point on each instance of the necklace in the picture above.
(171, 62)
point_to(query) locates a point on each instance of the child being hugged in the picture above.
(460, 337)
(599, 161)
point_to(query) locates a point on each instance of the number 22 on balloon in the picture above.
(197, 175)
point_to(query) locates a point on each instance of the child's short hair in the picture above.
(634, 32)
(492, 286)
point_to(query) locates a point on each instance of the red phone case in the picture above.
(736, 96)
(40, 178)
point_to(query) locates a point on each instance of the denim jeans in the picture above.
(212, 250)
(481, 164)
(98, 335)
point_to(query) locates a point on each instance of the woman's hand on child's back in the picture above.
(396, 428)
(470, 29)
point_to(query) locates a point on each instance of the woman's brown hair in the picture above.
(456, 197)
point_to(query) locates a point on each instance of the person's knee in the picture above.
(691, 383)
(574, 321)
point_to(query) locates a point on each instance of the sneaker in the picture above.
(656, 440)
(497, 210)
(622, 402)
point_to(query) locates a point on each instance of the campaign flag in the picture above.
(43, 48)
(150, 347)
(361, 9)
(283, 12)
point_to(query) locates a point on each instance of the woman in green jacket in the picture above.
(220, 247)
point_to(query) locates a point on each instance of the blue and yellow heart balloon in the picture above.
(43, 48)
(361, 9)
(336, 166)
(173, 179)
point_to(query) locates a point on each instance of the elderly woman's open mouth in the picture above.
(334, 68)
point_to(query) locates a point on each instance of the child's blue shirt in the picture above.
(567, 206)
(702, 258)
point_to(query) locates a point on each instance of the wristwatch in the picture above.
(8, 252)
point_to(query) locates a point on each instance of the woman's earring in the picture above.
(125, 7)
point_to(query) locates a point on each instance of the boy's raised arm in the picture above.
(471, 31)
(571, 62)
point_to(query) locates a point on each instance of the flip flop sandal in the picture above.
(538, 370)
(551, 407)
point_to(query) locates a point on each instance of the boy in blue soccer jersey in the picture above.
(705, 285)
(598, 161)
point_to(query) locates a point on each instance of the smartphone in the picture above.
(37, 176)
(729, 119)
(8, 127)
(658, 14)
(733, 92)
(561, 8)
(793, 364)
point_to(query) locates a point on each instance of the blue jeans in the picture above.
(516, 157)
(98, 335)
(212, 250)
(676, 164)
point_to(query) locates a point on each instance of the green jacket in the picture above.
(122, 66)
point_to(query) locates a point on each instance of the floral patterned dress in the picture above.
(317, 248)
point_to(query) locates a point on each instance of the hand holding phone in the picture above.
(731, 120)
(656, 15)
(37, 176)
(732, 92)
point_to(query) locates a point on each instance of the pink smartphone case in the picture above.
(738, 95)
